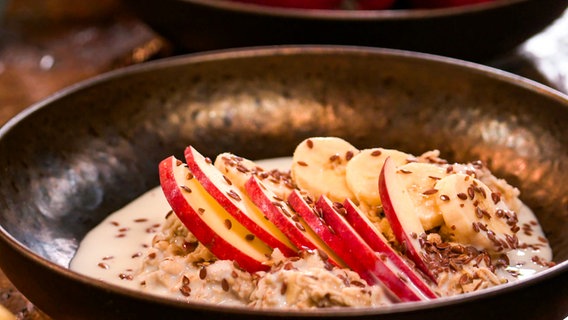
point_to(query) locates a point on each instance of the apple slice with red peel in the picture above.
(374, 267)
(240, 169)
(236, 202)
(375, 239)
(285, 218)
(212, 225)
(304, 206)
(401, 214)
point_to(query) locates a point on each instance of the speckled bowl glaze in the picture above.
(475, 32)
(69, 161)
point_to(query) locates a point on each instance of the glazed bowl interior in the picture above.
(474, 32)
(71, 160)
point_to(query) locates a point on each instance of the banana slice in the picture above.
(318, 167)
(239, 170)
(362, 173)
(474, 214)
(419, 179)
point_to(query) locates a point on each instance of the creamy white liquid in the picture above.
(114, 250)
(521, 260)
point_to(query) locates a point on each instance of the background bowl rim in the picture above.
(351, 15)
(267, 51)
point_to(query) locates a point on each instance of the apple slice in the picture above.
(239, 170)
(304, 206)
(375, 239)
(236, 202)
(374, 267)
(285, 218)
(401, 214)
(212, 225)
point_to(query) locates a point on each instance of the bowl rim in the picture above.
(352, 15)
(265, 51)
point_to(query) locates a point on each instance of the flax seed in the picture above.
(283, 288)
(185, 290)
(225, 285)
(227, 180)
(286, 213)
(234, 195)
(478, 213)
(470, 192)
(475, 227)
(310, 143)
(430, 192)
(125, 276)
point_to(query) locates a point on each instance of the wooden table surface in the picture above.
(48, 45)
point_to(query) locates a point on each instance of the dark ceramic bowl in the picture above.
(72, 159)
(475, 32)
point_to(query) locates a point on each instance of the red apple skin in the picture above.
(378, 243)
(194, 162)
(282, 217)
(388, 185)
(444, 3)
(191, 219)
(370, 265)
(300, 4)
(307, 213)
